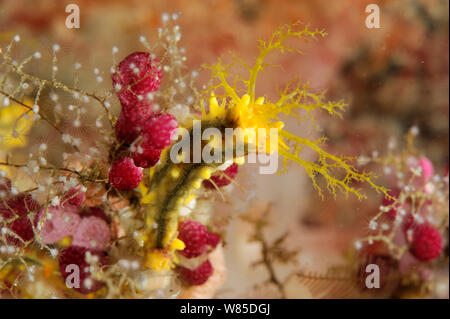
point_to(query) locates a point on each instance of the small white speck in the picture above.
(54, 252)
(55, 201)
(414, 130)
(134, 265)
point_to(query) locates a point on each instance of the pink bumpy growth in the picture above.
(146, 156)
(92, 233)
(159, 131)
(221, 180)
(195, 236)
(74, 255)
(197, 276)
(136, 77)
(139, 72)
(19, 210)
(426, 243)
(124, 175)
(74, 196)
(427, 168)
(59, 223)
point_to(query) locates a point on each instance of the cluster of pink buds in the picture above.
(89, 230)
(199, 242)
(141, 128)
(224, 179)
(17, 211)
(86, 228)
(425, 240)
(410, 235)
